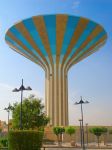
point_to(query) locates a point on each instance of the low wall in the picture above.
(107, 138)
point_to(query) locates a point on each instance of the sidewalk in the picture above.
(73, 148)
(67, 146)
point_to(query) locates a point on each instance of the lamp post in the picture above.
(80, 120)
(21, 89)
(87, 133)
(81, 102)
(8, 109)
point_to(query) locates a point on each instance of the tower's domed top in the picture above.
(56, 39)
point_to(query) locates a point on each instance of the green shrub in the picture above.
(70, 130)
(110, 131)
(25, 140)
(98, 131)
(4, 142)
(58, 130)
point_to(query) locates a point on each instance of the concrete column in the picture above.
(57, 97)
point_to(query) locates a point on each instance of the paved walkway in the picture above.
(74, 148)
(62, 149)
(71, 148)
(67, 146)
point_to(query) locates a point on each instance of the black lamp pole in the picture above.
(21, 89)
(80, 120)
(81, 102)
(87, 133)
(8, 109)
(8, 116)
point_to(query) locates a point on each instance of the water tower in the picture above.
(56, 42)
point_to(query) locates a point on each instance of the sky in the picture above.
(90, 78)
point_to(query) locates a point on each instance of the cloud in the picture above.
(6, 91)
(7, 96)
(75, 5)
(3, 85)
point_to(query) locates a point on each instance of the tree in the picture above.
(110, 131)
(0, 130)
(58, 131)
(98, 131)
(105, 130)
(33, 114)
(70, 130)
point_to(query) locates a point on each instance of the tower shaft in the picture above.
(56, 88)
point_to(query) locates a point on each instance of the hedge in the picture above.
(3, 142)
(25, 140)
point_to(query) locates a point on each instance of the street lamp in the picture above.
(82, 102)
(21, 89)
(87, 133)
(80, 120)
(8, 109)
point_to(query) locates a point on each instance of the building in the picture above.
(3, 128)
(56, 43)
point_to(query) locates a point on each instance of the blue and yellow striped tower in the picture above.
(56, 42)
